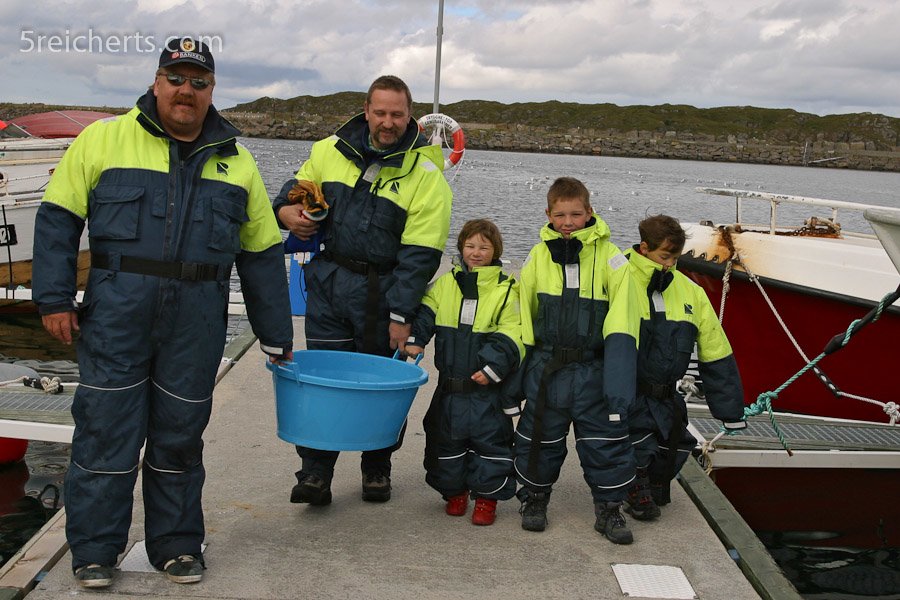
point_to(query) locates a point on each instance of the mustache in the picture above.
(183, 99)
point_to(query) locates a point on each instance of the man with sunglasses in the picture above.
(171, 202)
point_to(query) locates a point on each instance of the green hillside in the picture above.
(773, 125)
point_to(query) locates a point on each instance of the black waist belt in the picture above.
(159, 268)
(359, 267)
(373, 294)
(564, 355)
(453, 385)
(657, 391)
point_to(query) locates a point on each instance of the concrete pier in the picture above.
(262, 547)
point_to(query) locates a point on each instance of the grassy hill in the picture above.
(777, 126)
(773, 125)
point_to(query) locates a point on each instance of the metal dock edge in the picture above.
(752, 557)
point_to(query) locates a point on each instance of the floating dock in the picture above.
(261, 546)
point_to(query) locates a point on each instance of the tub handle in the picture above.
(419, 356)
(289, 367)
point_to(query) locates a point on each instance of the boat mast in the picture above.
(437, 67)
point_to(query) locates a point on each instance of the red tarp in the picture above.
(59, 123)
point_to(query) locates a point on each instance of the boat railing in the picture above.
(775, 200)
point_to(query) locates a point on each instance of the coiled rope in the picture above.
(50, 385)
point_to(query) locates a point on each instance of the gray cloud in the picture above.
(821, 56)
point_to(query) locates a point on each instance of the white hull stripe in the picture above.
(115, 389)
(207, 399)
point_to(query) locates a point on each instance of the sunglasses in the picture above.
(198, 83)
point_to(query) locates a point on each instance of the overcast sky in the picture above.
(817, 56)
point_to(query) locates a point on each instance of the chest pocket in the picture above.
(384, 231)
(115, 212)
(227, 211)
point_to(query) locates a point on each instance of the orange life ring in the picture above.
(442, 123)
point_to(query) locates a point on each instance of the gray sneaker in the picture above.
(184, 569)
(94, 576)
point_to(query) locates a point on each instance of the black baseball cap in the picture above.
(186, 50)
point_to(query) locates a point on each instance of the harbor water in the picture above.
(510, 188)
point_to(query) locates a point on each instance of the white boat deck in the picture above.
(815, 442)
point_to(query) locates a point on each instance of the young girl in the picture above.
(473, 311)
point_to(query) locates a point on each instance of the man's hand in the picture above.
(399, 333)
(284, 358)
(291, 215)
(61, 325)
(413, 351)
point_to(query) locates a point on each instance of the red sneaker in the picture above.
(457, 505)
(485, 512)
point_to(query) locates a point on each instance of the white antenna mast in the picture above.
(437, 67)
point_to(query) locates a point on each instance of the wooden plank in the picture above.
(21, 271)
(753, 559)
(38, 555)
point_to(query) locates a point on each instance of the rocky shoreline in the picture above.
(818, 152)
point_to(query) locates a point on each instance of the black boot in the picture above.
(611, 523)
(660, 492)
(376, 485)
(311, 489)
(533, 509)
(640, 504)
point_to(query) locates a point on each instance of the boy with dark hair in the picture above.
(675, 314)
(580, 325)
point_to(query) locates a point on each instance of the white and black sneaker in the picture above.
(184, 569)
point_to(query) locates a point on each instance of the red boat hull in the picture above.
(853, 508)
(766, 357)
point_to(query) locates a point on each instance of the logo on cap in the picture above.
(187, 44)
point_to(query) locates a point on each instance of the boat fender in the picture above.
(441, 123)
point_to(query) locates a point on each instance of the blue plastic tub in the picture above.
(343, 400)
